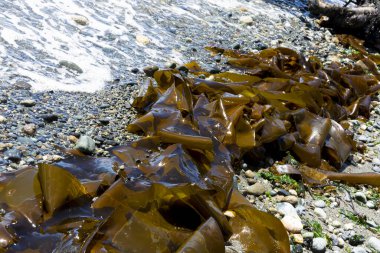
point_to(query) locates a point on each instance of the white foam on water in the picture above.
(35, 35)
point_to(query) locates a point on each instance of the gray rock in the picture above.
(292, 223)
(360, 196)
(374, 244)
(247, 20)
(29, 129)
(363, 138)
(376, 169)
(80, 20)
(85, 144)
(28, 102)
(257, 189)
(71, 66)
(334, 240)
(319, 245)
(372, 223)
(370, 204)
(308, 235)
(358, 250)
(285, 208)
(291, 199)
(319, 203)
(320, 213)
(376, 161)
(13, 155)
(2, 119)
(21, 85)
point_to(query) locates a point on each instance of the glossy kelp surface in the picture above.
(144, 199)
(173, 190)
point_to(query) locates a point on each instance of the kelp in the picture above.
(173, 190)
(148, 197)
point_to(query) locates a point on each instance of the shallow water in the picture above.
(35, 36)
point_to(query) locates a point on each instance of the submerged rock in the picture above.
(71, 66)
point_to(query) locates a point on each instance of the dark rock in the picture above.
(135, 70)
(183, 68)
(236, 46)
(283, 192)
(49, 118)
(297, 248)
(214, 71)
(22, 85)
(356, 240)
(104, 121)
(149, 71)
(261, 46)
(71, 66)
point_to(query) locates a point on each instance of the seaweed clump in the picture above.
(173, 190)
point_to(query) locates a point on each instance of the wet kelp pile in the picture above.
(173, 190)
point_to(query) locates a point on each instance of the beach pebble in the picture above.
(13, 155)
(370, 204)
(257, 189)
(319, 245)
(319, 203)
(360, 196)
(28, 102)
(247, 20)
(29, 129)
(373, 243)
(358, 250)
(85, 144)
(2, 119)
(250, 174)
(320, 213)
(292, 223)
(285, 208)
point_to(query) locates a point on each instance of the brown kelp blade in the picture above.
(170, 191)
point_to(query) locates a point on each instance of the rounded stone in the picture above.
(319, 203)
(320, 213)
(2, 119)
(292, 224)
(360, 196)
(319, 245)
(85, 144)
(374, 244)
(29, 129)
(247, 20)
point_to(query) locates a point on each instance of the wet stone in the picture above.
(86, 145)
(28, 102)
(13, 155)
(149, 71)
(71, 66)
(360, 196)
